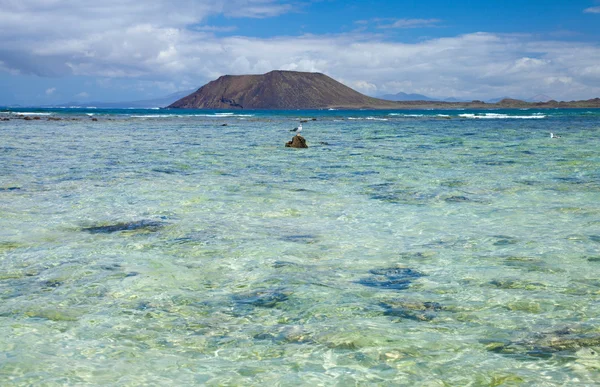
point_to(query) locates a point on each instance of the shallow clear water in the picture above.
(167, 249)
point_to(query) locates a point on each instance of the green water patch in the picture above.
(8, 246)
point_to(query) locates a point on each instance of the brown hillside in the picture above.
(278, 90)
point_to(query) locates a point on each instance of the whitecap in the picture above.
(501, 116)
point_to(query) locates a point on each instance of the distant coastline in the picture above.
(290, 90)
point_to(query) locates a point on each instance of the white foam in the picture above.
(501, 116)
(406, 115)
(32, 114)
(217, 115)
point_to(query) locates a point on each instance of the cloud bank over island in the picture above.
(176, 48)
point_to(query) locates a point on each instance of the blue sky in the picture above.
(120, 50)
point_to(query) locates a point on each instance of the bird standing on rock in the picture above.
(298, 129)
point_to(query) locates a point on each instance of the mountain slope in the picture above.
(278, 90)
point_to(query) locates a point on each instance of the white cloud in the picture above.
(83, 95)
(50, 91)
(592, 10)
(159, 44)
(411, 23)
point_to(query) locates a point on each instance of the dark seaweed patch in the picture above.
(301, 238)
(280, 264)
(264, 298)
(594, 238)
(140, 225)
(503, 240)
(457, 199)
(2, 189)
(544, 345)
(395, 278)
(418, 311)
(51, 284)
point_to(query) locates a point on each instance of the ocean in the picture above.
(417, 248)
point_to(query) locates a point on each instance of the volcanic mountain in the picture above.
(278, 90)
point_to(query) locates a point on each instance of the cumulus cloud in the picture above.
(592, 10)
(50, 91)
(157, 43)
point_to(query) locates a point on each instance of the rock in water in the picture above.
(297, 142)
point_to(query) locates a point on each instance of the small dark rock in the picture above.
(297, 142)
(224, 125)
(27, 118)
(94, 119)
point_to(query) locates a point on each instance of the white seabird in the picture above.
(298, 129)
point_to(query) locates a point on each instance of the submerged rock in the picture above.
(545, 345)
(397, 278)
(140, 225)
(264, 298)
(418, 311)
(297, 142)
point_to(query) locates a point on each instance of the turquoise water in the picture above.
(421, 248)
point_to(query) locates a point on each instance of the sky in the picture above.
(59, 51)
